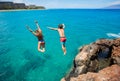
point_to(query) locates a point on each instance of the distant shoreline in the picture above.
(53, 9)
(19, 10)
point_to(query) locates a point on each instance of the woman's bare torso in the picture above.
(39, 35)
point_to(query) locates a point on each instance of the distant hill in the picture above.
(113, 7)
(4, 5)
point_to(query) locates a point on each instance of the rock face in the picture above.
(96, 62)
(108, 74)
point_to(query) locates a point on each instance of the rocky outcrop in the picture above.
(95, 61)
(108, 74)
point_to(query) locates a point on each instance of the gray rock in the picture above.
(95, 57)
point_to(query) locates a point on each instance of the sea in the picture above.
(19, 57)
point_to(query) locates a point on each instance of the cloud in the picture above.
(115, 2)
(18, 1)
(5, 0)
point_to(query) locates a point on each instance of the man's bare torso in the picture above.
(61, 32)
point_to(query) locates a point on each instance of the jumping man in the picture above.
(60, 30)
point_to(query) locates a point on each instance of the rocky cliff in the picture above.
(98, 61)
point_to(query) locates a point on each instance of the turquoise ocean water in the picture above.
(19, 58)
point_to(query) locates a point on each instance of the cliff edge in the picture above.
(98, 61)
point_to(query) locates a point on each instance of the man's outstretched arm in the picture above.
(51, 28)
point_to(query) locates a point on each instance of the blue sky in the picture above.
(69, 3)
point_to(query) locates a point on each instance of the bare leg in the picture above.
(43, 46)
(40, 50)
(43, 49)
(64, 49)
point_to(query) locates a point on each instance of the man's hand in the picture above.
(63, 25)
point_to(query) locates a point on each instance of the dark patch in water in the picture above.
(33, 63)
(33, 57)
(6, 73)
(4, 51)
(47, 56)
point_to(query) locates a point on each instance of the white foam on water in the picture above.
(113, 35)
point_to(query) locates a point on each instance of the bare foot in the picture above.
(64, 53)
(42, 50)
